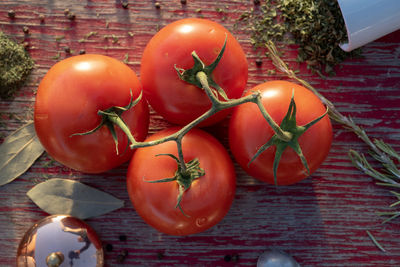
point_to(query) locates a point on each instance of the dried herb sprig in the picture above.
(15, 66)
(317, 26)
(379, 150)
(375, 241)
(390, 177)
(87, 36)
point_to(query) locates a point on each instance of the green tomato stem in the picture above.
(117, 120)
(255, 98)
(217, 105)
(281, 134)
(181, 160)
(202, 77)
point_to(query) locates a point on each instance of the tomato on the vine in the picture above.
(68, 100)
(249, 131)
(180, 102)
(205, 202)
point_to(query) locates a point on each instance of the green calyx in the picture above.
(184, 178)
(288, 124)
(111, 117)
(189, 75)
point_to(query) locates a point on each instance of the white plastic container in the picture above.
(368, 20)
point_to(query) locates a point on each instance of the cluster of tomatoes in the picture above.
(74, 132)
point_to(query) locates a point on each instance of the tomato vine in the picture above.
(285, 136)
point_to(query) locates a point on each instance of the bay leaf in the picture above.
(63, 196)
(18, 152)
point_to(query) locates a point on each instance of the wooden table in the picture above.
(321, 221)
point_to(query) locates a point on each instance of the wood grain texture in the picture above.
(321, 221)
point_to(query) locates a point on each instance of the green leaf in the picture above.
(62, 196)
(18, 152)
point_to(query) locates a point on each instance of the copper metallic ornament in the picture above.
(60, 241)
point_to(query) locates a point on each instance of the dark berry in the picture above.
(122, 238)
(258, 62)
(71, 16)
(109, 247)
(11, 14)
(227, 258)
(41, 18)
(25, 29)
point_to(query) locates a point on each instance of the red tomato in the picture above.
(67, 102)
(180, 102)
(207, 200)
(248, 131)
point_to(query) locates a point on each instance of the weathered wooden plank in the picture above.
(321, 221)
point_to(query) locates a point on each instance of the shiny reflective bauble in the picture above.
(276, 258)
(58, 241)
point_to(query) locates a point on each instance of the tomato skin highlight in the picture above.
(206, 202)
(67, 101)
(248, 131)
(180, 102)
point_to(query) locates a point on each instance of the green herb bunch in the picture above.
(15, 66)
(317, 26)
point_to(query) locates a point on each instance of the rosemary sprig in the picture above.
(379, 150)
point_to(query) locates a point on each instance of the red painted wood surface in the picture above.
(321, 221)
